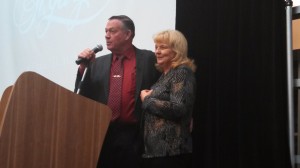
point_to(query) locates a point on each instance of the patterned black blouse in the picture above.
(168, 113)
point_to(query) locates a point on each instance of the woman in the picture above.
(168, 105)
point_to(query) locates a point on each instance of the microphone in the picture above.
(95, 50)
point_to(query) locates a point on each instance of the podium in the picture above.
(43, 125)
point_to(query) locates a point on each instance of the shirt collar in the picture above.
(128, 54)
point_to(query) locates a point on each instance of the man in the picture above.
(122, 144)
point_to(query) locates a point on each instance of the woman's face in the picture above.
(164, 55)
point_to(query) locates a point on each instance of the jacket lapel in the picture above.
(106, 73)
(139, 73)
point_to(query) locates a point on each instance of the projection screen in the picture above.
(45, 36)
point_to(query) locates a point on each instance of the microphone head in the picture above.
(98, 48)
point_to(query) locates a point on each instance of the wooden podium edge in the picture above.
(15, 153)
(3, 104)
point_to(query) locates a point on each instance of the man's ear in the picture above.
(128, 34)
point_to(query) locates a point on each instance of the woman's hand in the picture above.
(145, 93)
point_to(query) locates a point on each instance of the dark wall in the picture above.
(240, 117)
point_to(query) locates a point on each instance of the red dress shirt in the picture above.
(128, 86)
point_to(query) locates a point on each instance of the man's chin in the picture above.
(109, 47)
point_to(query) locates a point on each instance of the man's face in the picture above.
(116, 36)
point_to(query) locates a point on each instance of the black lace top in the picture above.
(168, 113)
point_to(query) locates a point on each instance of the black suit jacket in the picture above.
(96, 81)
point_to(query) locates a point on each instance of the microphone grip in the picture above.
(81, 60)
(84, 60)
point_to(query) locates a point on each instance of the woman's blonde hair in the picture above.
(178, 43)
